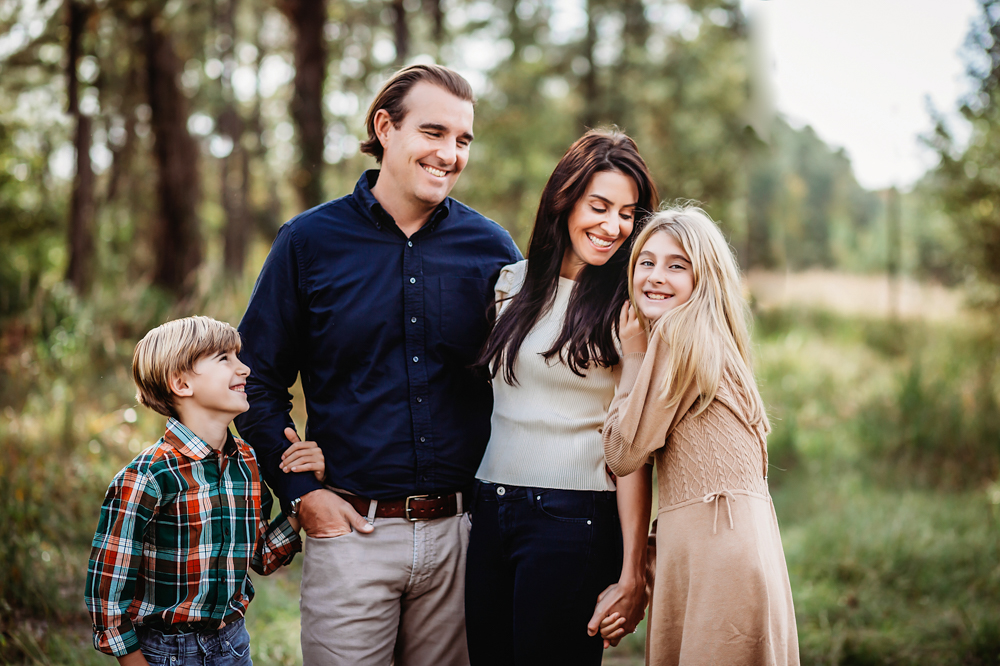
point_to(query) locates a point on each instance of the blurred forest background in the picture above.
(150, 150)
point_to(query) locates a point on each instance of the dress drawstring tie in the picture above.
(714, 497)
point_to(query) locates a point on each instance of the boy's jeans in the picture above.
(229, 646)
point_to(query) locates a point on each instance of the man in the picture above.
(379, 300)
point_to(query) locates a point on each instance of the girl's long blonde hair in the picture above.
(709, 335)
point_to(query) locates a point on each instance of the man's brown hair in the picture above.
(171, 349)
(393, 94)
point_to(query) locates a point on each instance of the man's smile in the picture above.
(434, 171)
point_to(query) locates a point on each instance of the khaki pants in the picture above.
(396, 595)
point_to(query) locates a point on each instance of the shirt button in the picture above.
(413, 320)
(416, 358)
(501, 491)
(420, 399)
(409, 243)
(423, 439)
(413, 280)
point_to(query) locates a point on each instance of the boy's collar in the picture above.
(191, 445)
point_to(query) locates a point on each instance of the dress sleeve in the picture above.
(132, 501)
(639, 420)
(509, 283)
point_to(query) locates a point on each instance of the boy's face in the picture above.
(217, 384)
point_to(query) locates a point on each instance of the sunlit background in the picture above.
(850, 150)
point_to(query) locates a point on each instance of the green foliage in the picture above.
(967, 181)
(891, 577)
(806, 209)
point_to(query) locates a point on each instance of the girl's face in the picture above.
(662, 278)
(600, 221)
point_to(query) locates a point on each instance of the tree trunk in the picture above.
(80, 240)
(401, 31)
(591, 115)
(234, 186)
(177, 241)
(433, 7)
(308, 18)
(234, 195)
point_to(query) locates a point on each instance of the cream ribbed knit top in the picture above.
(547, 428)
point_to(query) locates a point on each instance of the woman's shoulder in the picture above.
(511, 279)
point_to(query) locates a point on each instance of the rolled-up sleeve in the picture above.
(277, 541)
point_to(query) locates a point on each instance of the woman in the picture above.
(549, 529)
(721, 593)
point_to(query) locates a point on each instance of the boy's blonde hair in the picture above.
(709, 335)
(171, 349)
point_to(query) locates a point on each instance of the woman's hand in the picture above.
(633, 336)
(303, 457)
(619, 609)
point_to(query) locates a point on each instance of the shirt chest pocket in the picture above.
(464, 304)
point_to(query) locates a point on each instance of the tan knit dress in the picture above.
(721, 592)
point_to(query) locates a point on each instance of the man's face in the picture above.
(424, 156)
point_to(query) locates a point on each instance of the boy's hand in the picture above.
(303, 457)
(630, 331)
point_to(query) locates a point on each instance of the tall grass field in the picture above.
(885, 472)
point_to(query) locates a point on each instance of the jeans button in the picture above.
(501, 490)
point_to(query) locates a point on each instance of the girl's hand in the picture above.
(612, 630)
(633, 336)
(303, 457)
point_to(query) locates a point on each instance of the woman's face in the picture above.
(662, 278)
(600, 221)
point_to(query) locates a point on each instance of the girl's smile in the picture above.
(662, 278)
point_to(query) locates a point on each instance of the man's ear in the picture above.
(179, 385)
(382, 122)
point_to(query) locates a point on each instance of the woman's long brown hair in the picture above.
(590, 326)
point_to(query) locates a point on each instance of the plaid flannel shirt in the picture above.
(179, 527)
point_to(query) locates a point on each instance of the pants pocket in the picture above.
(565, 506)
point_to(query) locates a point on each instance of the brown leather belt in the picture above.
(413, 508)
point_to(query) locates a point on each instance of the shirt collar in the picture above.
(191, 445)
(377, 215)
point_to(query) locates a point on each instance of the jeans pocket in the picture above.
(567, 506)
(155, 653)
(238, 644)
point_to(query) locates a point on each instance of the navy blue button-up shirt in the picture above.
(382, 329)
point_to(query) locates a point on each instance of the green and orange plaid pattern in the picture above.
(179, 527)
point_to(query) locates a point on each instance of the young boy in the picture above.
(182, 522)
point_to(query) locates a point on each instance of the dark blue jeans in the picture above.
(537, 560)
(229, 646)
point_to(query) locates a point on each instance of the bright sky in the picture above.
(860, 71)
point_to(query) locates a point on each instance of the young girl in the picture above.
(721, 592)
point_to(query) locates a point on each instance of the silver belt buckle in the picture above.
(406, 507)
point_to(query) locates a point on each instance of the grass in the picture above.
(885, 473)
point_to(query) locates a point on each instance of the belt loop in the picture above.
(458, 503)
(371, 512)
